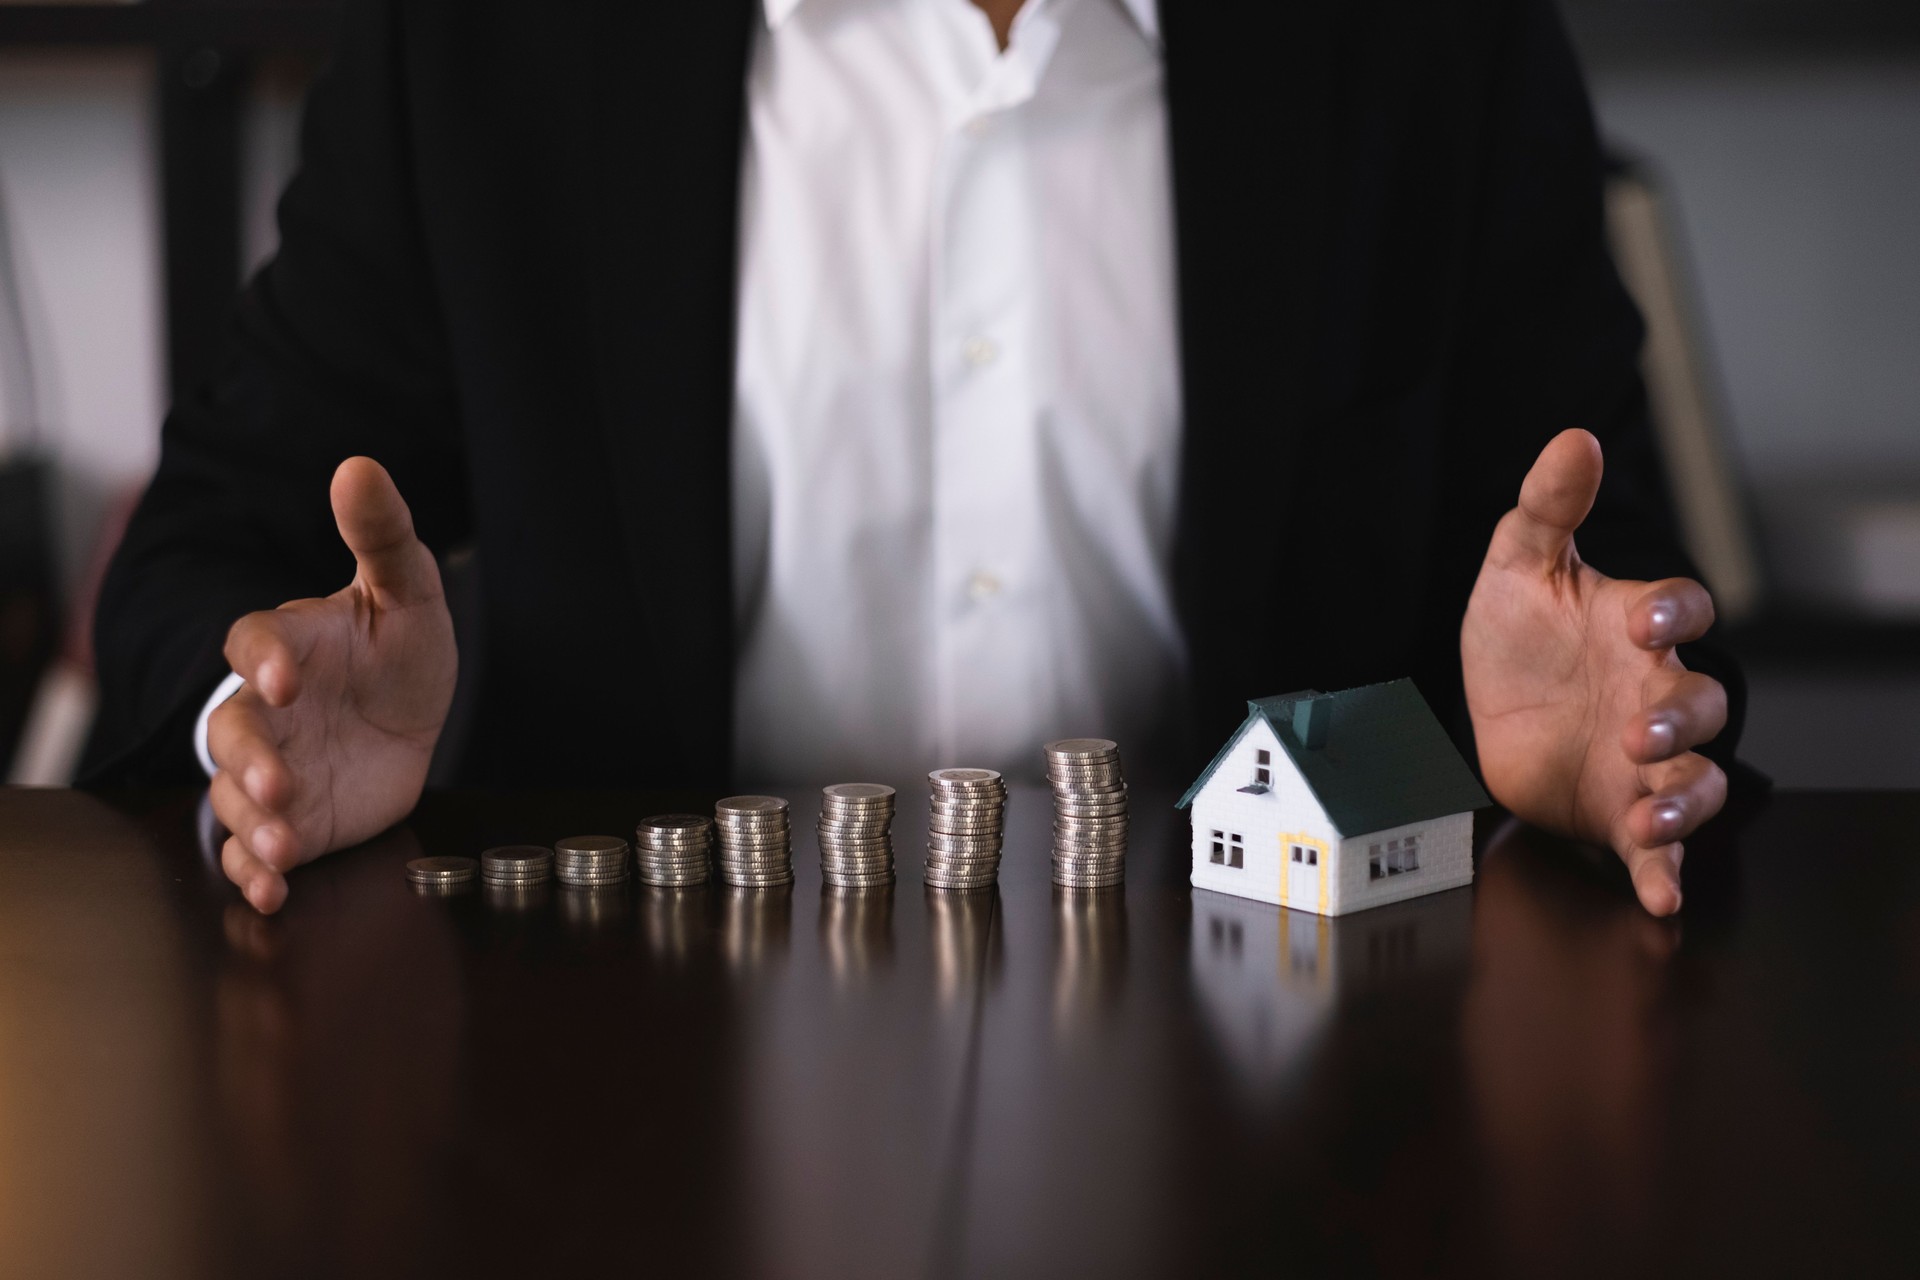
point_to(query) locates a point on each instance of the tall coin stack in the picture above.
(591, 860)
(756, 842)
(856, 834)
(1089, 812)
(965, 830)
(674, 849)
(516, 866)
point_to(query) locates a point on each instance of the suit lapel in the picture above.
(668, 108)
(1250, 100)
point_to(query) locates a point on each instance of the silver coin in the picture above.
(442, 869)
(755, 882)
(859, 879)
(750, 805)
(859, 792)
(590, 845)
(660, 879)
(517, 855)
(1105, 882)
(673, 823)
(1082, 748)
(442, 888)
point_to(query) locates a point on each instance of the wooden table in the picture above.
(1530, 1077)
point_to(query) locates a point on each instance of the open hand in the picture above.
(1584, 717)
(328, 743)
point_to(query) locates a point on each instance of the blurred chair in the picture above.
(1715, 515)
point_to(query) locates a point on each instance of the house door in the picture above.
(1303, 872)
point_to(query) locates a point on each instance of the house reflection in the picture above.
(1268, 977)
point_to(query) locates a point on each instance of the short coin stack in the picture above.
(674, 849)
(516, 866)
(442, 874)
(591, 860)
(965, 830)
(856, 834)
(756, 842)
(1089, 812)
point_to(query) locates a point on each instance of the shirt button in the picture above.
(982, 587)
(979, 352)
(978, 126)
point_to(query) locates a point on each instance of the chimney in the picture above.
(1312, 717)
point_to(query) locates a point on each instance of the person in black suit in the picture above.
(508, 270)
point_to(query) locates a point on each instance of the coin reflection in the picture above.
(516, 898)
(1089, 957)
(675, 920)
(592, 911)
(756, 925)
(856, 931)
(959, 922)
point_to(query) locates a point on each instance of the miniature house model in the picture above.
(1335, 802)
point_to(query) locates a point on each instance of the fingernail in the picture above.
(266, 843)
(1660, 735)
(1666, 819)
(257, 783)
(1660, 621)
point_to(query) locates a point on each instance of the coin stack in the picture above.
(1089, 812)
(591, 861)
(756, 842)
(674, 849)
(442, 874)
(856, 834)
(964, 832)
(516, 866)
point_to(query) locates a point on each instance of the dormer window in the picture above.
(1262, 774)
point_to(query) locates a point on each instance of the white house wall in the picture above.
(1288, 807)
(1446, 862)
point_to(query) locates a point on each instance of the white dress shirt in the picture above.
(957, 397)
(957, 391)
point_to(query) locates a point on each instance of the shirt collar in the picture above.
(1145, 14)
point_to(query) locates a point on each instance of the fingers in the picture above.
(245, 749)
(263, 887)
(1656, 877)
(1689, 791)
(378, 528)
(1686, 792)
(267, 649)
(1554, 498)
(1675, 611)
(267, 837)
(1693, 711)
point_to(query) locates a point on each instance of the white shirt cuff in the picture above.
(228, 687)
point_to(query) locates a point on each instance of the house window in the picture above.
(1395, 858)
(1219, 847)
(1306, 855)
(1236, 851)
(1263, 769)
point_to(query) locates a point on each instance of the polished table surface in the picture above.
(1528, 1077)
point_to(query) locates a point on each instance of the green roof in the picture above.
(1386, 761)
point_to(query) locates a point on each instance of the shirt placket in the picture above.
(985, 455)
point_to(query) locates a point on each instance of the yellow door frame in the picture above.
(1287, 840)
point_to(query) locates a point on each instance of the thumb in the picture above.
(377, 527)
(1554, 498)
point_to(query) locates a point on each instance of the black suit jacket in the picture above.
(507, 271)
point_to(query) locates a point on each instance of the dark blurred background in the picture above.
(1763, 208)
